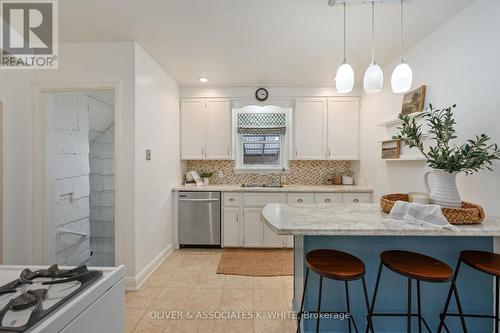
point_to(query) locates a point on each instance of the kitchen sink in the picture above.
(261, 185)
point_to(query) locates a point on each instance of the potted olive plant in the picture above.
(444, 157)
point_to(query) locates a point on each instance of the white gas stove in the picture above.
(65, 299)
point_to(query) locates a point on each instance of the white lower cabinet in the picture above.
(243, 224)
(253, 235)
(231, 227)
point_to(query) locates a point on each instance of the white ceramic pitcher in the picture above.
(444, 191)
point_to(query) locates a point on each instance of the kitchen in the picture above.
(190, 158)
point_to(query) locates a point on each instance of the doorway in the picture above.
(79, 177)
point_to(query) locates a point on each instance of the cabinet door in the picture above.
(300, 198)
(272, 239)
(343, 130)
(310, 129)
(252, 227)
(218, 129)
(232, 227)
(193, 129)
(327, 198)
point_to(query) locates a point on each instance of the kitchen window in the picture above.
(261, 140)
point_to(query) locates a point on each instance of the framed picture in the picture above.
(414, 101)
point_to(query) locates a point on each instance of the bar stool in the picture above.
(485, 262)
(338, 266)
(414, 266)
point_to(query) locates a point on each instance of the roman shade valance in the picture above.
(262, 123)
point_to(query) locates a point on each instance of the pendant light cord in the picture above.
(401, 34)
(373, 31)
(345, 59)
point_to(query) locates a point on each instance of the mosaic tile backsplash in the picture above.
(300, 172)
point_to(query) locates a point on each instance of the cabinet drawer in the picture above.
(232, 199)
(262, 199)
(300, 198)
(356, 198)
(327, 198)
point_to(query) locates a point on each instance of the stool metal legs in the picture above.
(454, 291)
(351, 318)
(409, 315)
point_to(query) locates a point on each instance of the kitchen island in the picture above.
(365, 231)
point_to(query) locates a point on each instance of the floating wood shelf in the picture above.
(407, 158)
(396, 121)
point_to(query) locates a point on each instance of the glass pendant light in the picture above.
(373, 81)
(344, 80)
(402, 77)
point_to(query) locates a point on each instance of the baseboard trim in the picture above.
(134, 283)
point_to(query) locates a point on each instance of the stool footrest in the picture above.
(389, 314)
(442, 315)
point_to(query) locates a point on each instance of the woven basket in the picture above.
(469, 213)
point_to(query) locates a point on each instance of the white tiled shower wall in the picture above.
(102, 199)
(69, 127)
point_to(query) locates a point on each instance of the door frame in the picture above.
(1, 182)
(40, 253)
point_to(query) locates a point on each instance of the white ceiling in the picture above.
(249, 42)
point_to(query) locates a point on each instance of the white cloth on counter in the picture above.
(424, 215)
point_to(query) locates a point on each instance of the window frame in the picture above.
(284, 141)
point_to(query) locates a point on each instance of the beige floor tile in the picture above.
(287, 282)
(273, 282)
(140, 299)
(170, 299)
(236, 300)
(183, 279)
(236, 281)
(132, 318)
(194, 263)
(210, 280)
(236, 326)
(269, 300)
(202, 300)
(274, 326)
(159, 279)
(195, 326)
(149, 325)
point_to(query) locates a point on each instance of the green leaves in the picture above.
(474, 155)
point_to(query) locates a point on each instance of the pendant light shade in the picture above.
(402, 77)
(373, 80)
(344, 80)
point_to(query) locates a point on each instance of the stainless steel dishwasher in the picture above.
(199, 219)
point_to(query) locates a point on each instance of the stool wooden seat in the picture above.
(413, 266)
(336, 265)
(417, 266)
(486, 262)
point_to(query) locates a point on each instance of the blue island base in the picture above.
(475, 288)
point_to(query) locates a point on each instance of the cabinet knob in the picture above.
(355, 200)
(300, 200)
(231, 199)
(328, 200)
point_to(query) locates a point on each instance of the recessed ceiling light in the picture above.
(203, 79)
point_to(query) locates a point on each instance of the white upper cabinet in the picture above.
(205, 129)
(218, 129)
(343, 130)
(193, 129)
(326, 129)
(310, 129)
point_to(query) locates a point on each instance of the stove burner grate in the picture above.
(34, 298)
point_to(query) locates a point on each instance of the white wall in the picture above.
(15, 93)
(459, 63)
(157, 127)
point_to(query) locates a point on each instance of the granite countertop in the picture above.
(286, 188)
(358, 220)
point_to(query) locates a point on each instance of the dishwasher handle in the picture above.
(199, 200)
